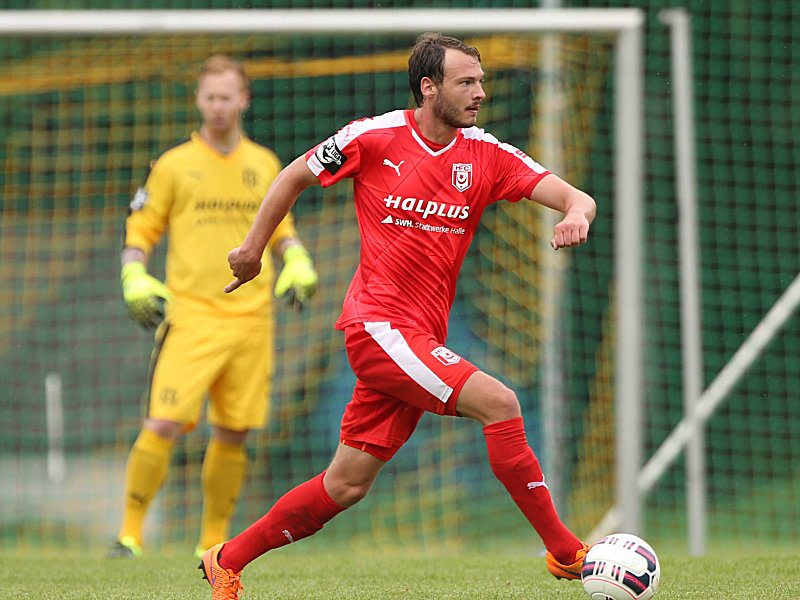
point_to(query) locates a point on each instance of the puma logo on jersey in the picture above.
(396, 167)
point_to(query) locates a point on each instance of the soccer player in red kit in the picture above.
(422, 179)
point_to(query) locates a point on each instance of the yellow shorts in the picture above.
(232, 363)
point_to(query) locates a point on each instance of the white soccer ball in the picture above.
(621, 566)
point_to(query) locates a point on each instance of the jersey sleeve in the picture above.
(337, 157)
(149, 209)
(517, 173)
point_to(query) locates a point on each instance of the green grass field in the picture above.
(291, 574)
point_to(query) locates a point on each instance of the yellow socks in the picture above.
(223, 473)
(147, 467)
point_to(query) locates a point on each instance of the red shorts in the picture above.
(401, 373)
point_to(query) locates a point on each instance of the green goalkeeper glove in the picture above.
(144, 295)
(297, 275)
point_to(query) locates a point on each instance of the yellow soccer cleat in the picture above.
(225, 584)
(571, 571)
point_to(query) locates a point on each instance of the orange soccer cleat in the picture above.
(570, 571)
(225, 584)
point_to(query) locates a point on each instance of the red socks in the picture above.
(517, 468)
(303, 511)
(299, 513)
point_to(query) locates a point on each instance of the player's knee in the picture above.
(487, 400)
(169, 430)
(232, 437)
(350, 475)
(348, 493)
(501, 405)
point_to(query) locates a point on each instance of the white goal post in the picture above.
(626, 25)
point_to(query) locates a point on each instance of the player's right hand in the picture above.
(243, 267)
(144, 295)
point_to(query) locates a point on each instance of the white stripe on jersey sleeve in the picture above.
(397, 348)
(352, 130)
(314, 164)
(476, 133)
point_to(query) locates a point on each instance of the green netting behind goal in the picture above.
(85, 118)
(80, 120)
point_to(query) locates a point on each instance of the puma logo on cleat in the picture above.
(396, 167)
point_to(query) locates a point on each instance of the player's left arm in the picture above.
(578, 208)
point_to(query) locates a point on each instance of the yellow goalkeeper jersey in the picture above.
(206, 202)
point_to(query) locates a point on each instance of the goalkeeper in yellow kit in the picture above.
(205, 193)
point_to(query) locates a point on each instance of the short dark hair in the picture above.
(427, 60)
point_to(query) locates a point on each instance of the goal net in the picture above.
(84, 114)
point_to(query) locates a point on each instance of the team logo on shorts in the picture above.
(445, 355)
(462, 176)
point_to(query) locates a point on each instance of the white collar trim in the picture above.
(427, 148)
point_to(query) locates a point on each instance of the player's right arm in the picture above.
(145, 295)
(245, 261)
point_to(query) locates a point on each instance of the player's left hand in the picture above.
(297, 276)
(572, 230)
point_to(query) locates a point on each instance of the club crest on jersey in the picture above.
(249, 177)
(445, 355)
(330, 156)
(462, 176)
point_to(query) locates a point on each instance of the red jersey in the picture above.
(418, 206)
